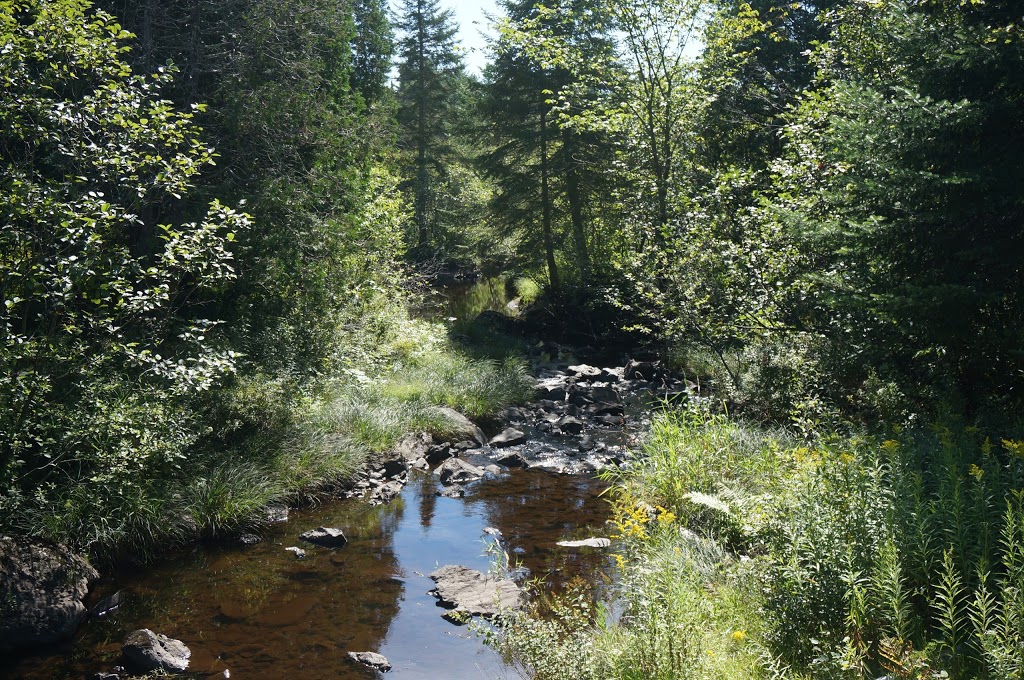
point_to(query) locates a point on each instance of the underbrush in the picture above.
(748, 553)
(265, 439)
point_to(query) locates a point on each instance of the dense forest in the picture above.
(215, 216)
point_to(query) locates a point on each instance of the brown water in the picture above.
(258, 612)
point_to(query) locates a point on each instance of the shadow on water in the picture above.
(260, 613)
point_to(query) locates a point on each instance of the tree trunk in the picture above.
(575, 198)
(545, 200)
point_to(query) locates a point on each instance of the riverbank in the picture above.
(748, 552)
(273, 442)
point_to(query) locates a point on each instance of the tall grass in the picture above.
(271, 439)
(899, 555)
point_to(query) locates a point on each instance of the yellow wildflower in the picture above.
(739, 635)
(975, 471)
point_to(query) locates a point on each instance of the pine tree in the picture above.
(430, 70)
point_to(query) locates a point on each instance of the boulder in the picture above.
(249, 539)
(41, 592)
(610, 420)
(570, 424)
(585, 371)
(371, 660)
(413, 446)
(643, 370)
(325, 536)
(473, 593)
(147, 651)
(462, 427)
(512, 460)
(553, 389)
(107, 605)
(458, 471)
(510, 437)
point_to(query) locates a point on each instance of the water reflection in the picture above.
(260, 613)
(465, 300)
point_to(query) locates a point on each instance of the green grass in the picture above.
(744, 552)
(270, 439)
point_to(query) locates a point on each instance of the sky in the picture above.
(472, 23)
(469, 15)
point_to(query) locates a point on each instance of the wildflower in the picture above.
(890, 445)
(739, 635)
(975, 471)
(1015, 448)
(620, 561)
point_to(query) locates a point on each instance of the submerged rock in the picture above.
(510, 437)
(473, 593)
(147, 651)
(299, 553)
(371, 660)
(453, 491)
(325, 536)
(586, 543)
(41, 592)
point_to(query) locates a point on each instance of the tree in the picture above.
(542, 161)
(104, 316)
(429, 72)
(372, 49)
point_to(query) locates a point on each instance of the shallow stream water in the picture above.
(258, 612)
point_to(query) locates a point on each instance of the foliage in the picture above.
(104, 311)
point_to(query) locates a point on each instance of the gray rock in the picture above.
(587, 443)
(453, 491)
(104, 676)
(586, 543)
(473, 593)
(612, 375)
(437, 454)
(553, 389)
(603, 394)
(147, 651)
(249, 539)
(325, 536)
(605, 408)
(41, 592)
(458, 471)
(413, 446)
(276, 512)
(570, 425)
(512, 460)
(610, 420)
(643, 370)
(462, 427)
(300, 554)
(585, 371)
(385, 493)
(371, 660)
(510, 437)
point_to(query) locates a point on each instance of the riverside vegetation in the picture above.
(212, 215)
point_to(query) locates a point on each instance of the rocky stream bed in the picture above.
(361, 586)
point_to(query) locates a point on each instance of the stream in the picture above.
(255, 611)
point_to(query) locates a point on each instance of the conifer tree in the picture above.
(430, 70)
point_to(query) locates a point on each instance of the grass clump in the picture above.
(745, 553)
(264, 439)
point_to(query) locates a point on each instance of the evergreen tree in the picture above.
(372, 49)
(429, 72)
